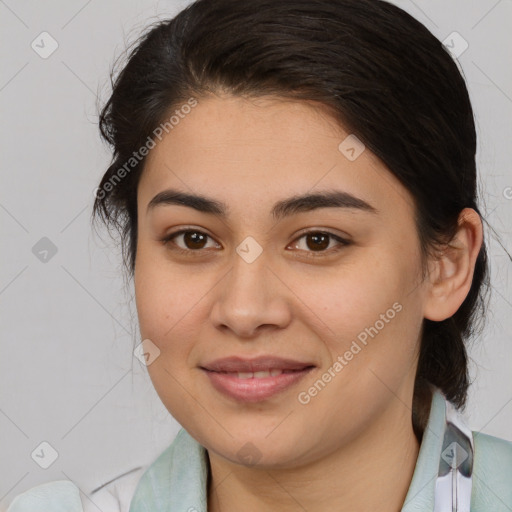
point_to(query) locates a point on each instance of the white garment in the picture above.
(114, 496)
(65, 496)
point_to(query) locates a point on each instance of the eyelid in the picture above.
(327, 231)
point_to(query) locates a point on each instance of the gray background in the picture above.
(67, 372)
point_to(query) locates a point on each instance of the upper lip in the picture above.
(239, 364)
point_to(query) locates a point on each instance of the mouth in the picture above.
(263, 374)
(254, 380)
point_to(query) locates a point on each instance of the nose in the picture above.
(250, 299)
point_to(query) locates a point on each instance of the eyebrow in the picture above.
(284, 208)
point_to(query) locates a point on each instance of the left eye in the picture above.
(319, 241)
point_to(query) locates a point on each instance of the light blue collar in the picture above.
(177, 480)
(442, 479)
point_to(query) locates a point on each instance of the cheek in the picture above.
(370, 324)
(356, 295)
(161, 298)
(167, 306)
(171, 304)
(376, 304)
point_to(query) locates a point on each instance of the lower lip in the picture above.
(253, 389)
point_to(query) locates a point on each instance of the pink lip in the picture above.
(223, 376)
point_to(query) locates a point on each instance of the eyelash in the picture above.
(311, 254)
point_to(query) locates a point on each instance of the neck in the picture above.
(375, 469)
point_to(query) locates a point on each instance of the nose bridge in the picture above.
(248, 296)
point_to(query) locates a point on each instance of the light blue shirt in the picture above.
(177, 480)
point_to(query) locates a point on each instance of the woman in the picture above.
(295, 184)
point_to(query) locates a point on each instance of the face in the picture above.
(317, 302)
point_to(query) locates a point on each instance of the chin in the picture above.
(258, 450)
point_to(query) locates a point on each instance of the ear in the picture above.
(451, 273)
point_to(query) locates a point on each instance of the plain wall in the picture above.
(67, 373)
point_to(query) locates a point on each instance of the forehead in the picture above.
(264, 149)
(235, 128)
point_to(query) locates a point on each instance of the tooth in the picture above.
(245, 375)
(262, 374)
(275, 372)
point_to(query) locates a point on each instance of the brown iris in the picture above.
(194, 239)
(320, 241)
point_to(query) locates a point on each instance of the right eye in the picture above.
(192, 240)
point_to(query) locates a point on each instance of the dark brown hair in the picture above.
(377, 70)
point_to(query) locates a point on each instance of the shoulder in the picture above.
(65, 496)
(491, 444)
(181, 461)
(57, 496)
(492, 473)
(493, 450)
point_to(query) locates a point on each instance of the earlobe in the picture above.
(452, 271)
